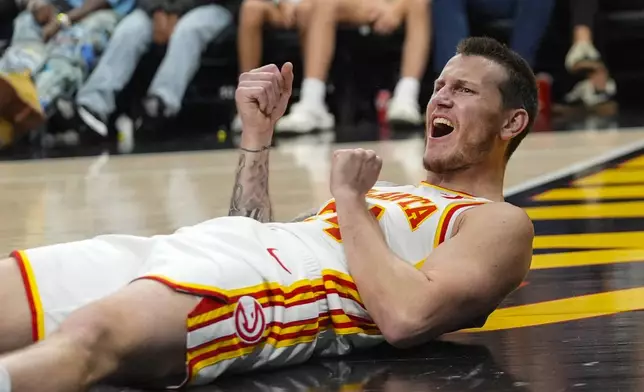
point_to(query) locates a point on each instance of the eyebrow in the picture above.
(458, 82)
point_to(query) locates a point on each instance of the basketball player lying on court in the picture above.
(377, 263)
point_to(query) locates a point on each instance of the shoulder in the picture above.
(500, 214)
(501, 221)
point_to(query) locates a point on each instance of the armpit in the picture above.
(305, 215)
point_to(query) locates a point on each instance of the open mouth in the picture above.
(441, 127)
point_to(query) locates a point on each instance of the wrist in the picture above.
(254, 142)
(349, 198)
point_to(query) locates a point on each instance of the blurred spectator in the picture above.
(186, 26)
(384, 16)
(597, 87)
(254, 16)
(452, 23)
(52, 50)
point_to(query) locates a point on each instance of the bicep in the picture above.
(476, 269)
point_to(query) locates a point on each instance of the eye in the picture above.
(465, 90)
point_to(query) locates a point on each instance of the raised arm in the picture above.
(261, 97)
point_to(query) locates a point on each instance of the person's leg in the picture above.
(129, 42)
(450, 24)
(583, 54)
(15, 328)
(310, 112)
(28, 50)
(404, 106)
(136, 335)
(531, 20)
(67, 67)
(253, 17)
(194, 31)
(19, 104)
(598, 89)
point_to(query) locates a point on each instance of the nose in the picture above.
(442, 98)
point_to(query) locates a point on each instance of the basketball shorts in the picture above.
(263, 300)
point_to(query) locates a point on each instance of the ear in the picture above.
(515, 122)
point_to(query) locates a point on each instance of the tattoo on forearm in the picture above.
(250, 192)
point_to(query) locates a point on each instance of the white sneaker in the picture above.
(236, 125)
(304, 119)
(404, 112)
(579, 52)
(586, 93)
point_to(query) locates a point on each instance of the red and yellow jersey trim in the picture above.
(219, 305)
(447, 217)
(33, 296)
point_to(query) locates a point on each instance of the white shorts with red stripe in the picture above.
(267, 299)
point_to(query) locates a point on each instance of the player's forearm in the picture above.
(250, 196)
(389, 287)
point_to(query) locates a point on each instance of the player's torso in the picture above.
(413, 219)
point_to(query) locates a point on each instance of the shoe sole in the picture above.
(22, 115)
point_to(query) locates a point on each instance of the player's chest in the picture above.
(403, 210)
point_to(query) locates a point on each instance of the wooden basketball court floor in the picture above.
(575, 324)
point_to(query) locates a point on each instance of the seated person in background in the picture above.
(253, 18)
(452, 24)
(597, 87)
(52, 49)
(384, 16)
(187, 27)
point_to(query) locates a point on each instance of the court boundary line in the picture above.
(573, 168)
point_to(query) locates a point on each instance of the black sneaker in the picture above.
(89, 126)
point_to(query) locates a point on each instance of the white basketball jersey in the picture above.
(414, 220)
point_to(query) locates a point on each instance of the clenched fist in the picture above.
(354, 172)
(261, 97)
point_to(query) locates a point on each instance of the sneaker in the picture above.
(90, 127)
(305, 119)
(236, 125)
(585, 93)
(19, 102)
(582, 55)
(404, 113)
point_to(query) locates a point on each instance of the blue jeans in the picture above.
(60, 65)
(131, 40)
(451, 24)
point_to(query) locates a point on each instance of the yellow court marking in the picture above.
(629, 239)
(594, 193)
(562, 310)
(631, 209)
(590, 257)
(612, 176)
(639, 161)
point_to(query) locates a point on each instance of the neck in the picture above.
(481, 180)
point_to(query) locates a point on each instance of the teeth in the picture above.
(441, 120)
